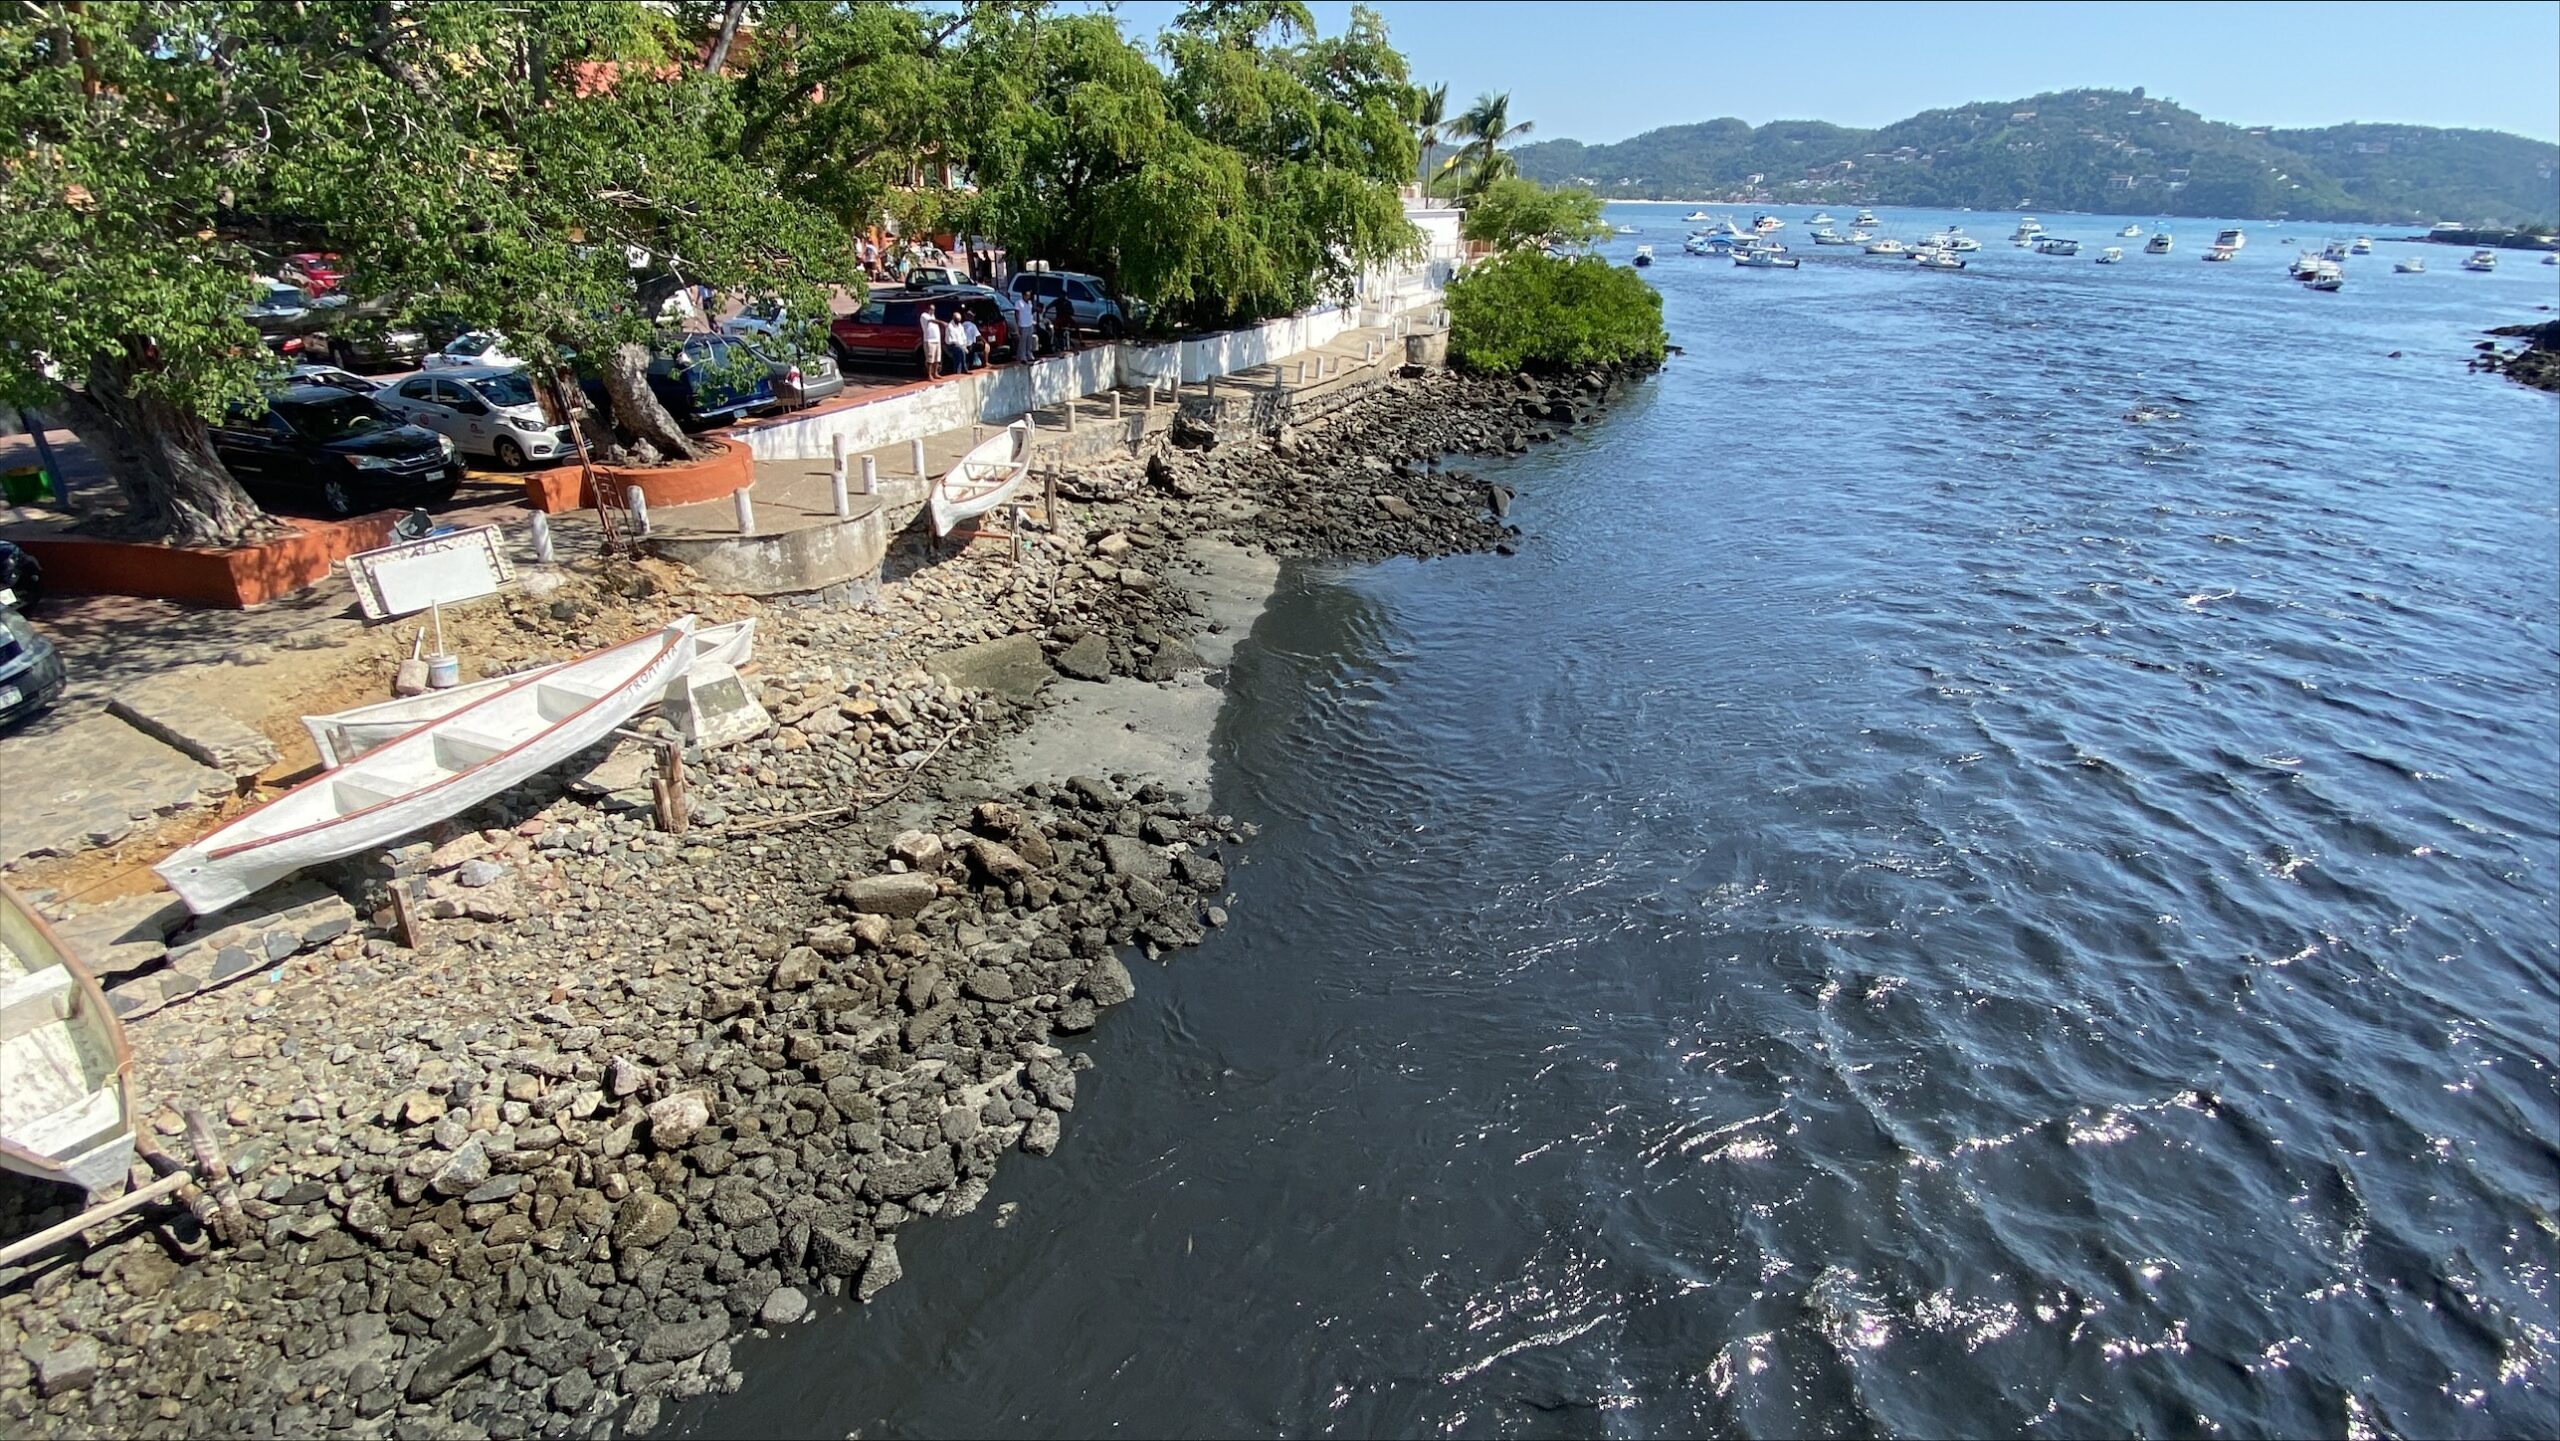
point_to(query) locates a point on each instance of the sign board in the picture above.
(439, 570)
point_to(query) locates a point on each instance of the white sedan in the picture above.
(483, 411)
(476, 348)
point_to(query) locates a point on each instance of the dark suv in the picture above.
(318, 444)
(704, 380)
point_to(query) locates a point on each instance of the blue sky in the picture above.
(1598, 71)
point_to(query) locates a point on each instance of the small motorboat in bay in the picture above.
(1765, 258)
(2220, 253)
(1822, 217)
(1887, 245)
(2025, 235)
(2056, 245)
(1954, 239)
(2231, 240)
(1865, 218)
(435, 771)
(1697, 217)
(2129, 232)
(1644, 256)
(2411, 266)
(1931, 257)
(2322, 274)
(66, 1112)
(1629, 230)
(2112, 255)
(1828, 236)
(2483, 261)
(1764, 223)
(2158, 244)
(2363, 245)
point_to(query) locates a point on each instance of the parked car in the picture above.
(483, 410)
(318, 272)
(471, 348)
(316, 445)
(886, 329)
(938, 277)
(702, 380)
(21, 577)
(1097, 309)
(801, 380)
(350, 343)
(335, 377)
(31, 671)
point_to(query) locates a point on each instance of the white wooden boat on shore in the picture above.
(66, 1108)
(990, 475)
(433, 771)
(344, 735)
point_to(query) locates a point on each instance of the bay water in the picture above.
(1988, 870)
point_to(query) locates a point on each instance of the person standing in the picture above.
(956, 342)
(1025, 328)
(932, 330)
(969, 339)
(1062, 323)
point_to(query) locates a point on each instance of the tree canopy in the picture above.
(1513, 212)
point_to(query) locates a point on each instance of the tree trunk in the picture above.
(736, 11)
(175, 487)
(635, 405)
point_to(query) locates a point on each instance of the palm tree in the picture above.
(1486, 127)
(1433, 119)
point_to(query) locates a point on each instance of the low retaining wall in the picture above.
(807, 558)
(233, 579)
(730, 467)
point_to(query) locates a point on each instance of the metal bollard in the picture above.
(639, 508)
(542, 537)
(870, 476)
(1115, 402)
(746, 509)
(915, 451)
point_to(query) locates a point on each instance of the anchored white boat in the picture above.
(2129, 232)
(2112, 255)
(2057, 245)
(2411, 266)
(2158, 244)
(1697, 216)
(1822, 217)
(66, 1112)
(2220, 252)
(2363, 245)
(2482, 260)
(1766, 223)
(1930, 257)
(2231, 239)
(1887, 245)
(1953, 239)
(2323, 274)
(344, 735)
(1828, 236)
(1707, 245)
(1766, 259)
(1864, 217)
(1644, 256)
(2028, 229)
(993, 473)
(435, 771)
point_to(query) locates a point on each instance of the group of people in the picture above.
(955, 344)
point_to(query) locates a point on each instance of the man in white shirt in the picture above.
(955, 342)
(932, 330)
(969, 341)
(1026, 336)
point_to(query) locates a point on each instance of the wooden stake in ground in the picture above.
(404, 916)
(675, 813)
(215, 1175)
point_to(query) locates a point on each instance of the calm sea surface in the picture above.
(1990, 869)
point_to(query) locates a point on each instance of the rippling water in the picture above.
(1989, 870)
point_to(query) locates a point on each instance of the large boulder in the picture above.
(900, 896)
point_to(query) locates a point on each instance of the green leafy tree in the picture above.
(1530, 311)
(1512, 213)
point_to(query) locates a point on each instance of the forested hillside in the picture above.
(2107, 150)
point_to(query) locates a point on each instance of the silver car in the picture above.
(485, 410)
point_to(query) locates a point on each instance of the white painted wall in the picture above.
(997, 396)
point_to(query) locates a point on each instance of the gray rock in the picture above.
(988, 984)
(1108, 983)
(1170, 660)
(1129, 856)
(921, 850)
(463, 1171)
(475, 874)
(898, 1180)
(1011, 666)
(786, 1306)
(1041, 1136)
(67, 1366)
(571, 1393)
(1396, 507)
(645, 1219)
(447, 1363)
(683, 1340)
(959, 1123)
(675, 1121)
(883, 1270)
(898, 896)
(1087, 659)
(625, 1076)
(798, 967)
(998, 862)
(837, 1253)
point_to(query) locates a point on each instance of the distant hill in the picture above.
(2103, 150)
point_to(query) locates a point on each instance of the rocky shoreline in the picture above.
(635, 1092)
(2535, 364)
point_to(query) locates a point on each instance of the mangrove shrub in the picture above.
(1532, 311)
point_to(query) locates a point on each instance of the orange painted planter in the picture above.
(234, 579)
(730, 467)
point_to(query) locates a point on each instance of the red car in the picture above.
(317, 271)
(886, 329)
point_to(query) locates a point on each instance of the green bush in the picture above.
(1531, 311)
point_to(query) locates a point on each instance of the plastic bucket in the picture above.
(444, 672)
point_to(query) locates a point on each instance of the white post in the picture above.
(1115, 402)
(915, 451)
(836, 485)
(1071, 410)
(746, 510)
(542, 537)
(838, 444)
(639, 508)
(870, 476)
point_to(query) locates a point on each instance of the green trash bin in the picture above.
(26, 486)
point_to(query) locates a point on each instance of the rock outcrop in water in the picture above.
(636, 1092)
(2535, 364)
